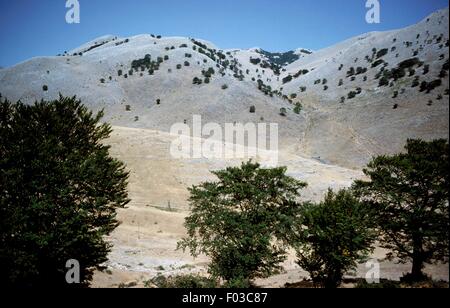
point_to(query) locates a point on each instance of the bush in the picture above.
(360, 70)
(298, 108)
(183, 282)
(45, 88)
(430, 86)
(384, 81)
(197, 80)
(238, 225)
(287, 79)
(224, 87)
(351, 94)
(255, 61)
(186, 63)
(409, 195)
(351, 72)
(102, 80)
(283, 112)
(207, 80)
(127, 108)
(119, 73)
(179, 66)
(59, 191)
(406, 64)
(381, 53)
(333, 237)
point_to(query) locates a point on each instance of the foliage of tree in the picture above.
(333, 237)
(409, 192)
(59, 191)
(238, 221)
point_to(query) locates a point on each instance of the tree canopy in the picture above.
(409, 193)
(59, 191)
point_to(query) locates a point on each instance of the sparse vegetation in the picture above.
(382, 52)
(298, 108)
(197, 81)
(287, 79)
(430, 86)
(183, 282)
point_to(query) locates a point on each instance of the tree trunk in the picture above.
(418, 260)
(417, 274)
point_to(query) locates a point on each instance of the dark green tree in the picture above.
(409, 193)
(333, 237)
(59, 191)
(237, 220)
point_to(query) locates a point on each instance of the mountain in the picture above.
(362, 97)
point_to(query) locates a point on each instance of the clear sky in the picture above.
(31, 28)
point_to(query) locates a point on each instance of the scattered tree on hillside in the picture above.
(332, 237)
(238, 221)
(409, 195)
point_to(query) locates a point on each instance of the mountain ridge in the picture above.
(341, 104)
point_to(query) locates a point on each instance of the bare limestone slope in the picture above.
(348, 116)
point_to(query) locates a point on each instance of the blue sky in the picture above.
(31, 28)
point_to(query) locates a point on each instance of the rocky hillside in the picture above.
(340, 105)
